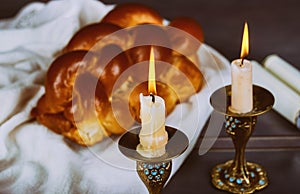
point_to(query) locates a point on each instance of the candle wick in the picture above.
(153, 98)
(242, 62)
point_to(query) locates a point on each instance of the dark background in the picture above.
(274, 27)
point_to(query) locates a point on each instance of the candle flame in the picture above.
(245, 42)
(151, 76)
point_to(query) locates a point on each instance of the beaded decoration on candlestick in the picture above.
(154, 172)
(239, 176)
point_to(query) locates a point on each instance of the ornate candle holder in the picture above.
(239, 176)
(154, 172)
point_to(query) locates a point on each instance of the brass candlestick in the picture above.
(239, 176)
(154, 172)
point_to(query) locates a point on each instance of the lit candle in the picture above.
(153, 136)
(241, 80)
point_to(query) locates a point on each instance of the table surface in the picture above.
(273, 28)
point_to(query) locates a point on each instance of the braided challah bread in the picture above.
(92, 88)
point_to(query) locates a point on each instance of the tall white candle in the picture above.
(241, 79)
(153, 136)
(241, 86)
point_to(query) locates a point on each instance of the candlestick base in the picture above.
(154, 172)
(225, 177)
(239, 176)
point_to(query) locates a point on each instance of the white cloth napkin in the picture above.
(33, 159)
